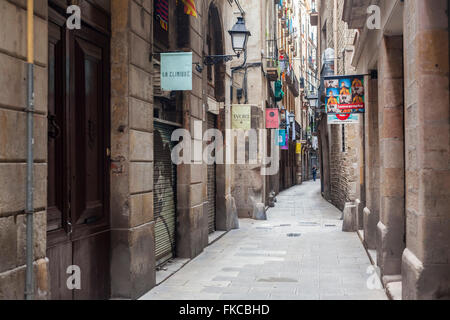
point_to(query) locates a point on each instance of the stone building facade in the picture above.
(406, 217)
(339, 144)
(99, 208)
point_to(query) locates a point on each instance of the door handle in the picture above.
(54, 131)
(69, 228)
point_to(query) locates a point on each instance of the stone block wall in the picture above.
(13, 128)
(391, 143)
(372, 163)
(426, 259)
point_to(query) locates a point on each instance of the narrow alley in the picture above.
(300, 252)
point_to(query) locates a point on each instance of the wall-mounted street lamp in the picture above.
(239, 38)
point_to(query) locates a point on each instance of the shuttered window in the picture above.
(211, 207)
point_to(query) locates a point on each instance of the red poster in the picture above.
(272, 118)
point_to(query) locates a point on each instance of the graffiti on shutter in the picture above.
(164, 194)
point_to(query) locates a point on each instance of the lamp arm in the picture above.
(215, 59)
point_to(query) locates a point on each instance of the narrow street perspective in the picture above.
(224, 150)
(300, 252)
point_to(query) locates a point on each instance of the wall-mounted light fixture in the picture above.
(239, 38)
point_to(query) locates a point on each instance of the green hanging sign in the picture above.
(176, 71)
(279, 94)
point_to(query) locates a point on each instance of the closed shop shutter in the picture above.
(212, 123)
(164, 193)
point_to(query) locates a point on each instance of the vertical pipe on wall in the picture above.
(29, 210)
(335, 36)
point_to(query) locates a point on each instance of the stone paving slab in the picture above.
(299, 253)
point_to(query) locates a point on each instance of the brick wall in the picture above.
(343, 162)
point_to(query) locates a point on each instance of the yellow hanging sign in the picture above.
(298, 148)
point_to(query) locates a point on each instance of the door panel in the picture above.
(92, 256)
(60, 258)
(57, 192)
(90, 153)
(59, 248)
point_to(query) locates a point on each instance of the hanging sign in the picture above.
(281, 138)
(298, 148)
(272, 121)
(345, 95)
(286, 142)
(176, 71)
(343, 119)
(241, 116)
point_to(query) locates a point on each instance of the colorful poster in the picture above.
(176, 71)
(298, 148)
(281, 138)
(272, 121)
(241, 116)
(286, 142)
(344, 94)
(348, 118)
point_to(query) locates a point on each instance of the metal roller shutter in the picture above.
(164, 194)
(211, 207)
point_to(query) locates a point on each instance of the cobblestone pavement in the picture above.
(300, 252)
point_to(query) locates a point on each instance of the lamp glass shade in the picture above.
(239, 36)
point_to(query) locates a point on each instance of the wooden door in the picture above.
(59, 248)
(78, 151)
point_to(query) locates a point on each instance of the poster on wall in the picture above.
(281, 137)
(176, 71)
(241, 116)
(344, 94)
(286, 141)
(343, 118)
(272, 121)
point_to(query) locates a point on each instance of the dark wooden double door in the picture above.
(78, 159)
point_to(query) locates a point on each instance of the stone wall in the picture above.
(426, 259)
(248, 185)
(391, 143)
(344, 155)
(132, 221)
(13, 128)
(372, 170)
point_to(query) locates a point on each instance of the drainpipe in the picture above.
(335, 36)
(29, 288)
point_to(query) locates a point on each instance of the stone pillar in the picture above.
(426, 259)
(391, 227)
(132, 221)
(192, 224)
(372, 163)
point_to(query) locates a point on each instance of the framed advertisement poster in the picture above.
(344, 94)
